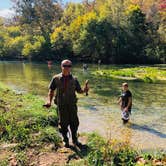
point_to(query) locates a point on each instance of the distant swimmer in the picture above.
(85, 66)
(99, 62)
(49, 63)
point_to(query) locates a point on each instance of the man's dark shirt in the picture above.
(65, 80)
(65, 89)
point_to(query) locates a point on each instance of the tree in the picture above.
(2, 34)
(138, 38)
(71, 12)
(40, 16)
(33, 47)
(95, 41)
(61, 44)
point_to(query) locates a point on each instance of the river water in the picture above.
(99, 111)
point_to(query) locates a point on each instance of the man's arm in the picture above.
(129, 102)
(119, 100)
(52, 87)
(83, 91)
(80, 90)
(50, 96)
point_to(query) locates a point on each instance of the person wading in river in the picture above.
(125, 102)
(65, 85)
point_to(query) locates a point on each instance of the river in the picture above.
(99, 111)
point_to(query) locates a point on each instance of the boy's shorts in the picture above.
(125, 115)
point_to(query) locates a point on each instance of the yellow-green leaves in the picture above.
(132, 8)
(13, 31)
(33, 46)
(55, 35)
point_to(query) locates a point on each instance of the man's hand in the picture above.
(47, 105)
(49, 99)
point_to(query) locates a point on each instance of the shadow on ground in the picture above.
(148, 129)
(79, 152)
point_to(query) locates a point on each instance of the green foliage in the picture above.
(14, 45)
(16, 132)
(137, 26)
(136, 20)
(95, 40)
(95, 139)
(61, 43)
(50, 135)
(77, 24)
(22, 158)
(34, 46)
(71, 12)
(109, 152)
(4, 162)
(125, 156)
(26, 121)
(147, 79)
(13, 31)
(146, 74)
(12, 41)
(97, 145)
(114, 31)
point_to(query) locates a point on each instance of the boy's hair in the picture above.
(125, 84)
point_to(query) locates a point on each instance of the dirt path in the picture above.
(47, 157)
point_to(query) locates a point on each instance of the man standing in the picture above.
(65, 99)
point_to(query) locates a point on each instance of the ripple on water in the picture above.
(139, 132)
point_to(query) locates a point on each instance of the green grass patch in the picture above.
(49, 134)
(106, 152)
(24, 121)
(21, 158)
(4, 162)
(145, 74)
(109, 152)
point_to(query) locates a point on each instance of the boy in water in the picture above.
(125, 102)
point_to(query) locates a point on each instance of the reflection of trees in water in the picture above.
(31, 76)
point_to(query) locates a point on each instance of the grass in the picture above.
(145, 74)
(24, 121)
(108, 152)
